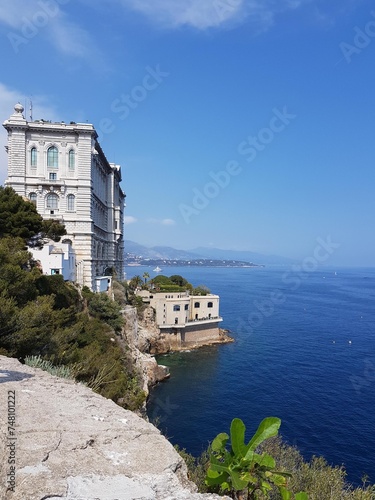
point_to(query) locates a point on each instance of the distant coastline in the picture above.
(133, 262)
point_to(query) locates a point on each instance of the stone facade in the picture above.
(62, 169)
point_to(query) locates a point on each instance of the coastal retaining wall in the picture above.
(194, 336)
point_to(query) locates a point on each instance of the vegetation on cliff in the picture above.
(45, 316)
(318, 479)
(161, 283)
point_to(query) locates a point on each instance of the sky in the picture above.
(238, 124)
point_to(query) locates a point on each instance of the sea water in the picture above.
(304, 351)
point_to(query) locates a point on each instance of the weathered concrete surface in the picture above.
(71, 443)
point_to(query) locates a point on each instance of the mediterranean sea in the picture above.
(304, 351)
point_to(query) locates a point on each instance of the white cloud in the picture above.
(162, 222)
(129, 219)
(8, 98)
(30, 18)
(200, 14)
(203, 14)
(168, 222)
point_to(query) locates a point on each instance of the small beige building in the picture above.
(188, 319)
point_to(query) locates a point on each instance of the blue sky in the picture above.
(239, 124)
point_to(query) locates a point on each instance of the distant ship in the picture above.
(157, 269)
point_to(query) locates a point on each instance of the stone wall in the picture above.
(70, 443)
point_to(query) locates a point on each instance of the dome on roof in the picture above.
(18, 108)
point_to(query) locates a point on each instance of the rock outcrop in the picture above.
(138, 339)
(68, 442)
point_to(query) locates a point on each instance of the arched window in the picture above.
(32, 198)
(33, 157)
(52, 157)
(71, 202)
(197, 304)
(176, 308)
(72, 159)
(52, 201)
(210, 304)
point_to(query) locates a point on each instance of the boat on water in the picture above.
(157, 269)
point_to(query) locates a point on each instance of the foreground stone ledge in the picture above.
(71, 443)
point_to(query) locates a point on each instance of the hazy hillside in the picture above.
(256, 258)
(169, 253)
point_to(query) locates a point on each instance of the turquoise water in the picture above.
(304, 351)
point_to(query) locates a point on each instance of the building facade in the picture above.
(62, 169)
(56, 258)
(185, 319)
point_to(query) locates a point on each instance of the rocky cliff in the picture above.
(139, 338)
(60, 440)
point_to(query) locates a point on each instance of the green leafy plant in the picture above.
(241, 470)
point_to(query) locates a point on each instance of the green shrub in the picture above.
(66, 295)
(102, 307)
(59, 371)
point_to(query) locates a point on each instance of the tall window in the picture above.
(72, 159)
(52, 157)
(71, 199)
(33, 157)
(32, 198)
(52, 201)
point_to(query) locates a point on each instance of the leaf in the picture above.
(218, 467)
(225, 487)
(225, 459)
(301, 496)
(278, 479)
(238, 483)
(220, 441)
(212, 473)
(269, 427)
(237, 437)
(265, 486)
(264, 460)
(285, 494)
(214, 478)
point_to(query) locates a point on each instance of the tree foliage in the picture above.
(45, 316)
(19, 219)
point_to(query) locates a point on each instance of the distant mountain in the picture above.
(158, 252)
(169, 253)
(256, 258)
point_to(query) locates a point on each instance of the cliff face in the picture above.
(139, 339)
(60, 440)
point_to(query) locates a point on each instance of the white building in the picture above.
(56, 258)
(62, 169)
